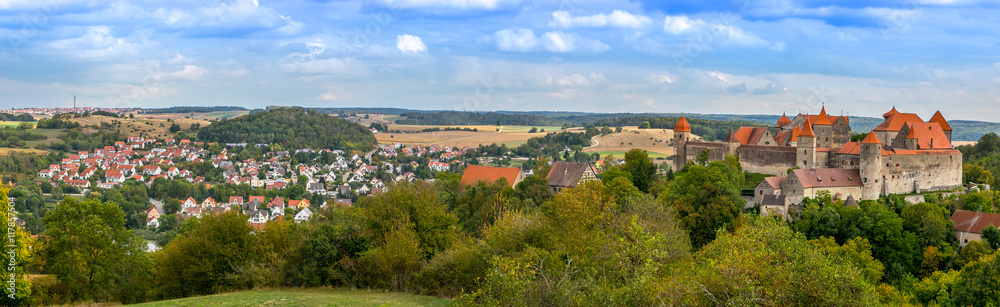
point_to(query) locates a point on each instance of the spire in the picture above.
(795, 135)
(871, 139)
(731, 138)
(938, 118)
(682, 125)
(807, 130)
(823, 119)
(912, 134)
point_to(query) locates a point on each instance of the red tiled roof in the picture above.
(783, 120)
(750, 135)
(928, 135)
(807, 129)
(871, 139)
(938, 118)
(476, 173)
(890, 113)
(974, 222)
(823, 119)
(896, 121)
(682, 125)
(775, 182)
(828, 177)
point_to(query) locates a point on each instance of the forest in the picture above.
(293, 128)
(23, 117)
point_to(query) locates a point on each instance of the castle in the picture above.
(902, 155)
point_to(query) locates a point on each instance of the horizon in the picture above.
(724, 57)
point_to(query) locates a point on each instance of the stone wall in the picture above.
(771, 160)
(905, 174)
(717, 151)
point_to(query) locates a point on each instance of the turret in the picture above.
(823, 128)
(732, 143)
(938, 118)
(910, 142)
(871, 167)
(682, 130)
(782, 122)
(806, 145)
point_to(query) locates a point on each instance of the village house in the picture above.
(303, 215)
(564, 175)
(476, 173)
(969, 225)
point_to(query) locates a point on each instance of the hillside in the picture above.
(306, 297)
(139, 126)
(292, 128)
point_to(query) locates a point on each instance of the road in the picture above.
(158, 205)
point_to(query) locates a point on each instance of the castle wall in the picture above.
(717, 151)
(904, 174)
(845, 161)
(771, 160)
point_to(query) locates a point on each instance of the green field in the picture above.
(52, 134)
(14, 124)
(222, 114)
(528, 128)
(307, 297)
(621, 154)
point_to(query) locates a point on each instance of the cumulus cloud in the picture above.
(228, 18)
(659, 79)
(524, 40)
(739, 88)
(189, 72)
(410, 44)
(326, 97)
(576, 80)
(722, 31)
(617, 19)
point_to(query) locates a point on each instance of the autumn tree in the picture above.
(19, 245)
(978, 283)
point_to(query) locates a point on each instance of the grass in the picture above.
(221, 114)
(306, 297)
(621, 154)
(752, 180)
(14, 124)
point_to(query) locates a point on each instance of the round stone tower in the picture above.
(682, 131)
(806, 147)
(871, 167)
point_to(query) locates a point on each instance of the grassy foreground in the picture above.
(306, 297)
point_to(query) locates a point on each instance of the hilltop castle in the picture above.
(902, 155)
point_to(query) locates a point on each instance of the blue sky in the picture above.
(738, 56)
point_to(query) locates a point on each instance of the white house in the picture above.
(303, 215)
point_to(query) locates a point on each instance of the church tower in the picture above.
(871, 167)
(682, 130)
(806, 147)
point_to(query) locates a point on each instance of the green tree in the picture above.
(970, 253)
(205, 257)
(976, 174)
(991, 235)
(857, 252)
(644, 125)
(88, 248)
(175, 127)
(707, 199)
(978, 283)
(643, 170)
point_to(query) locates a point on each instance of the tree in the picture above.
(970, 253)
(929, 265)
(88, 248)
(978, 283)
(644, 125)
(533, 130)
(175, 127)
(975, 173)
(991, 235)
(643, 170)
(18, 243)
(707, 199)
(208, 253)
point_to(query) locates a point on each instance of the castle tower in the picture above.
(732, 143)
(806, 144)
(793, 140)
(938, 118)
(682, 130)
(782, 122)
(823, 128)
(871, 167)
(910, 142)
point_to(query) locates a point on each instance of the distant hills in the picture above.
(964, 130)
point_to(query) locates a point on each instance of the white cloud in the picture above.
(520, 40)
(410, 44)
(778, 46)
(659, 79)
(326, 97)
(617, 18)
(524, 40)
(452, 4)
(997, 65)
(576, 80)
(721, 31)
(228, 17)
(189, 72)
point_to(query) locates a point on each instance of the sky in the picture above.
(857, 58)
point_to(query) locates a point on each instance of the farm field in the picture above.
(7, 151)
(306, 297)
(509, 135)
(52, 134)
(14, 124)
(655, 141)
(151, 126)
(621, 154)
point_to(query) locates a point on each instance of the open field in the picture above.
(52, 134)
(621, 154)
(960, 143)
(509, 135)
(150, 126)
(652, 140)
(307, 297)
(220, 115)
(15, 124)
(7, 151)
